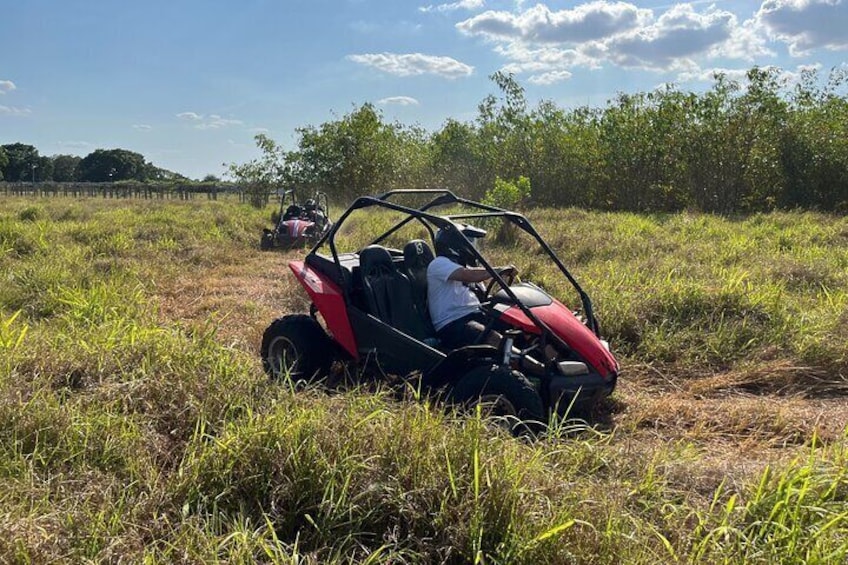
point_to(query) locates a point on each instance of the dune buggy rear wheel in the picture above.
(296, 347)
(503, 394)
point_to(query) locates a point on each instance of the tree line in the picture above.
(760, 144)
(20, 162)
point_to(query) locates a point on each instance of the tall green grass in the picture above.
(130, 434)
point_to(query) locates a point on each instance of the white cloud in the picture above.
(413, 64)
(535, 60)
(212, 121)
(550, 77)
(807, 24)
(698, 74)
(75, 144)
(14, 111)
(142, 127)
(542, 41)
(746, 42)
(191, 116)
(398, 101)
(680, 33)
(461, 5)
(593, 21)
(6, 86)
(793, 77)
(784, 76)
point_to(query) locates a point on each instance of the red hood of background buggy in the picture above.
(296, 228)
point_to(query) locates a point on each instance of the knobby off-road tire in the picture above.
(267, 241)
(296, 347)
(503, 394)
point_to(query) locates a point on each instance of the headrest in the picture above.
(417, 254)
(375, 259)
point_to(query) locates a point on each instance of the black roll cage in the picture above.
(444, 197)
(320, 197)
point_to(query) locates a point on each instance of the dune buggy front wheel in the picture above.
(502, 394)
(296, 347)
(267, 241)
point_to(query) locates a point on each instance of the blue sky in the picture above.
(188, 83)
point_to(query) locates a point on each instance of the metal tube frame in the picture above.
(447, 198)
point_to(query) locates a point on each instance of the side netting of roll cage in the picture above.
(428, 219)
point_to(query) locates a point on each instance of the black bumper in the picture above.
(576, 394)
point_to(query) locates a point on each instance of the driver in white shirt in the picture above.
(454, 308)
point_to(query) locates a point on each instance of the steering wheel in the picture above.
(510, 277)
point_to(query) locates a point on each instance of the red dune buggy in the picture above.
(373, 302)
(298, 223)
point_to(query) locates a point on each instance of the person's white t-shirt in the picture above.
(448, 300)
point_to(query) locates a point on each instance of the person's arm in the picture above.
(477, 274)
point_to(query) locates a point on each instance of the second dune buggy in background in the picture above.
(298, 223)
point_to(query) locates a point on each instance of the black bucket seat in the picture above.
(292, 212)
(417, 256)
(388, 292)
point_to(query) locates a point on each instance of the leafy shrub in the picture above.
(508, 194)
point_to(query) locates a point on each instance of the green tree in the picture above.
(733, 155)
(567, 158)
(154, 173)
(508, 194)
(815, 148)
(738, 147)
(44, 169)
(457, 162)
(641, 138)
(104, 165)
(65, 167)
(504, 129)
(259, 176)
(356, 155)
(23, 162)
(4, 162)
(408, 150)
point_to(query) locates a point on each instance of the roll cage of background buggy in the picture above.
(428, 219)
(295, 209)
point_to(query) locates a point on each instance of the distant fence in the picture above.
(120, 190)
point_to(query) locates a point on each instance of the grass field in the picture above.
(136, 424)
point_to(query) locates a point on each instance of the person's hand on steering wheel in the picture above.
(509, 273)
